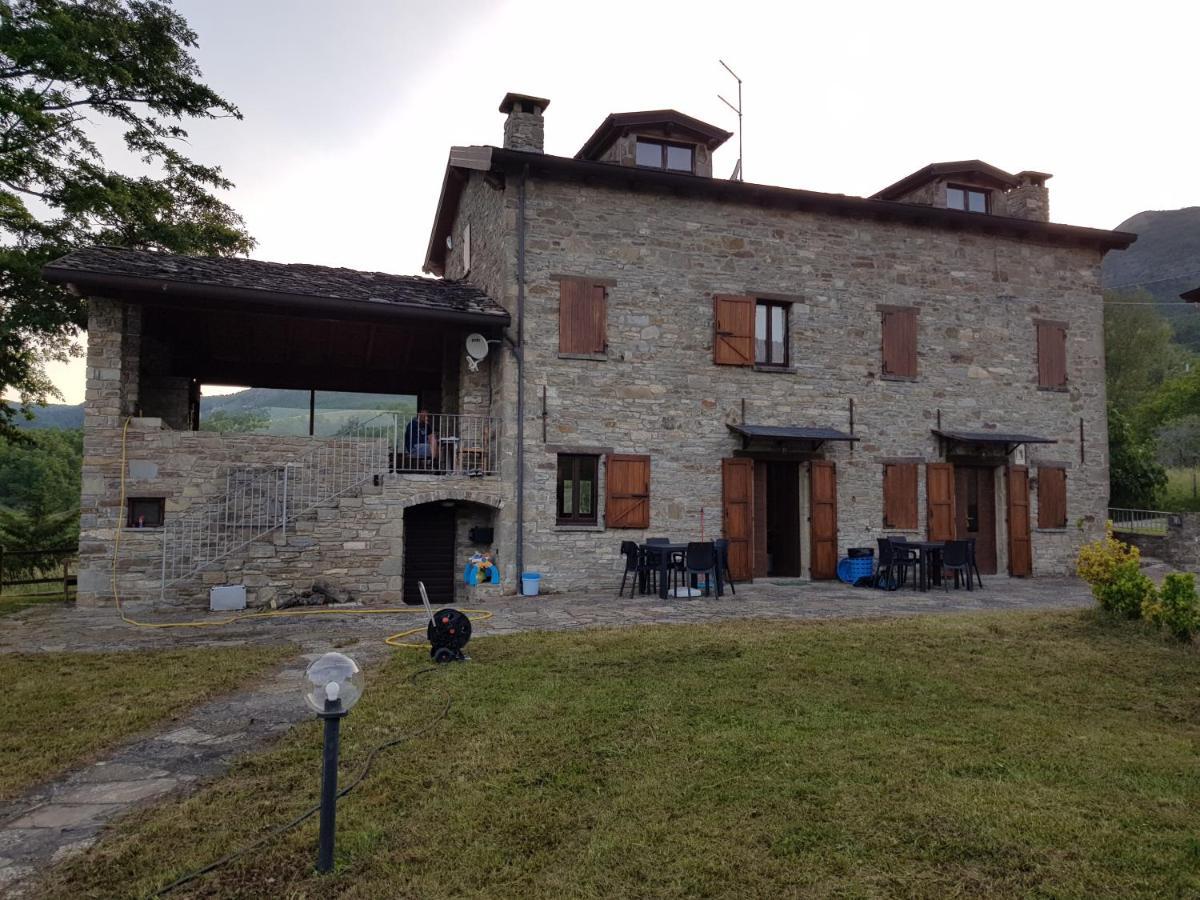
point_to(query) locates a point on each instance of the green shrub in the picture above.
(1176, 607)
(1126, 590)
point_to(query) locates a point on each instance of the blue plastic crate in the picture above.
(851, 569)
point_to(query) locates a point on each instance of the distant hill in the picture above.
(287, 410)
(1164, 262)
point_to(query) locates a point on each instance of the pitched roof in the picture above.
(290, 287)
(464, 160)
(615, 124)
(970, 169)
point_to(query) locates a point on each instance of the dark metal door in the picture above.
(429, 553)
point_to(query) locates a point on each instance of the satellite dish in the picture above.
(477, 349)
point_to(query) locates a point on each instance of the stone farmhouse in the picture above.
(656, 351)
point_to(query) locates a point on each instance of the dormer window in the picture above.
(966, 199)
(661, 155)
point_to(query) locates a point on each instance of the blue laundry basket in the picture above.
(851, 568)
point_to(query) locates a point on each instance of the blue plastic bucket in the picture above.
(850, 569)
(530, 583)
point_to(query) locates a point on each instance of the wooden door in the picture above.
(759, 558)
(737, 515)
(939, 497)
(1020, 547)
(822, 504)
(975, 512)
(429, 553)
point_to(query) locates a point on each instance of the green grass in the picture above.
(64, 709)
(1048, 755)
(11, 601)
(1178, 496)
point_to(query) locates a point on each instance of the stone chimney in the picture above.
(524, 127)
(1030, 199)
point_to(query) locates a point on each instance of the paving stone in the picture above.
(118, 791)
(65, 815)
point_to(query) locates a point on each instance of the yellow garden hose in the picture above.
(395, 640)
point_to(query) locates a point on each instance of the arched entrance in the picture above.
(439, 537)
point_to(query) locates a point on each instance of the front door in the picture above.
(783, 519)
(975, 512)
(737, 515)
(429, 553)
(822, 505)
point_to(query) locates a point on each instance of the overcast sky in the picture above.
(350, 107)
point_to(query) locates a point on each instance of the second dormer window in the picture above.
(660, 155)
(965, 198)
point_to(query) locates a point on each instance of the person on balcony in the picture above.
(420, 442)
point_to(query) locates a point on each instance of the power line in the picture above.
(1178, 277)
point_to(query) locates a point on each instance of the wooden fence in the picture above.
(49, 566)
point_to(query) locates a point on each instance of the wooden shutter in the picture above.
(761, 559)
(627, 491)
(1052, 497)
(822, 495)
(733, 330)
(900, 495)
(737, 514)
(582, 316)
(1020, 549)
(1052, 355)
(939, 499)
(900, 343)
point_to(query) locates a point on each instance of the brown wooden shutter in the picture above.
(1052, 497)
(1020, 548)
(900, 495)
(733, 330)
(1052, 355)
(900, 343)
(939, 498)
(822, 492)
(737, 514)
(582, 316)
(627, 491)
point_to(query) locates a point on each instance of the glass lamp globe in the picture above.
(331, 678)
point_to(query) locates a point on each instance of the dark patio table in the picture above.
(930, 551)
(664, 567)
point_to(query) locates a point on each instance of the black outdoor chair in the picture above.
(956, 558)
(722, 547)
(701, 559)
(632, 554)
(891, 571)
(974, 562)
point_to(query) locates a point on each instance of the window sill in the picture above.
(908, 378)
(596, 357)
(775, 370)
(567, 526)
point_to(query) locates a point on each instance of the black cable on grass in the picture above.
(309, 813)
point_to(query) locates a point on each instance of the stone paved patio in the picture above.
(67, 815)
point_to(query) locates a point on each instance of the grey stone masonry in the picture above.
(524, 129)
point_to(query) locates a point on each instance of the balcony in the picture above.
(445, 444)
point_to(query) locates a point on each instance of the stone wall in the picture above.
(659, 392)
(1180, 546)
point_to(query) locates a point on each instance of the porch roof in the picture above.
(814, 435)
(1010, 440)
(290, 288)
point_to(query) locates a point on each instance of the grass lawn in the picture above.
(1008, 755)
(63, 709)
(12, 602)
(1179, 496)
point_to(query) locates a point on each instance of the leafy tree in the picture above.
(239, 421)
(1135, 476)
(1140, 352)
(1174, 400)
(41, 473)
(68, 67)
(1179, 443)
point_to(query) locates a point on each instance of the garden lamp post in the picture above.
(332, 684)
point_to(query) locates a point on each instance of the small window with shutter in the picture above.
(899, 343)
(627, 491)
(1052, 355)
(900, 496)
(582, 317)
(1052, 497)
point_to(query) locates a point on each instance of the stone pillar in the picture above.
(1030, 199)
(524, 127)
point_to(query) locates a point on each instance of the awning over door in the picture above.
(789, 436)
(1010, 441)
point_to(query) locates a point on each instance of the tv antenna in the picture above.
(737, 170)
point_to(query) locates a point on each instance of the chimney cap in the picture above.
(1029, 176)
(512, 99)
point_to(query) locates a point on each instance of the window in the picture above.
(144, 512)
(1052, 497)
(965, 198)
(627, 494)
(1052, 355)
(899, 343)
(582, 317)
(900, 496)
(577, 489)
(660, 155)
(770, 333)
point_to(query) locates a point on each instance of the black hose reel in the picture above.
(448, 631)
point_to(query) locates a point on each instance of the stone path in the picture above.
(57, 819)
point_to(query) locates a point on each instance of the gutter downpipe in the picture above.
(520, 353)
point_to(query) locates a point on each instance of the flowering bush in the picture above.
(1176, 607)
(1098, 560)
(1127, 591)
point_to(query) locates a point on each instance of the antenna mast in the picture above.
(737, 170)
